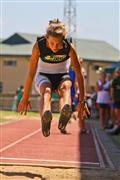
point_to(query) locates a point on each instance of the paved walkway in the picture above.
(109, 149)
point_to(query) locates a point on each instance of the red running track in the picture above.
(23, 143)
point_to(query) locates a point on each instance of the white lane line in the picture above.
(44, 160)
(105, 151)
(98, 151)
(10, 122)
(41, 165)
(20, 140)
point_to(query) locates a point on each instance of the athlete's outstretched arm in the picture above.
(78, 71)
(83, 110)
(24, 103)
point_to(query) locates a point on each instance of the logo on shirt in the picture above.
(55, 58)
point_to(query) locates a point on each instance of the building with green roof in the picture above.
(16, 51)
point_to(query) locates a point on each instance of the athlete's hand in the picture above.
(23, 106)
(83, 111)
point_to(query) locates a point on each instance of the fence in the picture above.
(7, 102)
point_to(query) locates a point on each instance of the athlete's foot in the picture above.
(64, 116)
(46, 123)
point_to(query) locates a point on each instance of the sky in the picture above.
(96, 19)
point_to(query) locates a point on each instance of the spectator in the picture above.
(115, 95)
(14, 105)
(92, 102)
(19, 94)
(17, 98)
(75, 96)
(103, 99)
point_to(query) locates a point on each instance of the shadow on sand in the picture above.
(26, 174)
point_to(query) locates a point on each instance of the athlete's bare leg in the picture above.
(64, 92)
(45, 99)
(45, 108)
(65, 105)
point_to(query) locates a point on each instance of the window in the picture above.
(10, 63)
(1, 87)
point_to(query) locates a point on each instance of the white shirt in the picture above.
(103, 96)
(57, 68)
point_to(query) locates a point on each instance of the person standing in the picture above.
(115, 95)
(103, 99)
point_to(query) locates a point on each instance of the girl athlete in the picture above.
(49, 61)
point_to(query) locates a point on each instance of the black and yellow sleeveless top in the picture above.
(48, 56)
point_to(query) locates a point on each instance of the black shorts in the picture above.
(56, 79)
(104, 106)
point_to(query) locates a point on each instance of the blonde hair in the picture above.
(56, 29)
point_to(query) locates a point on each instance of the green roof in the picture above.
(20, 38)
(97, 50)
(92, 50)
(18, 44)
(21, 50)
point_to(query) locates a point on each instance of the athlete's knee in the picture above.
(48, 90)
(65, 87)
(45, 89)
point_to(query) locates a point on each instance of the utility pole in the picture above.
(70, 17)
